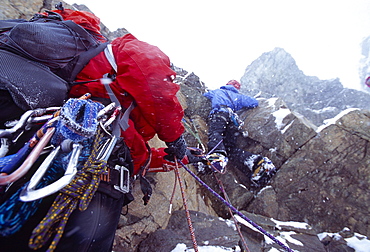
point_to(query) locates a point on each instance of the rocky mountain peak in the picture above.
(276, 74)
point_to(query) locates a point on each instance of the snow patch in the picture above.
(279, 117)
(358, 242)
(323, 110)
(272, 102)
(288, 237)
(301, 225)
(333, 120)
(229, 223)
(264, 188)
(181, 247)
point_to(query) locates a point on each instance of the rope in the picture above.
(14, 213)
(222, 188)
(173, 194)
(176, 169)
(78, 193)
(237, 211)
(194, 134)
(215, 147)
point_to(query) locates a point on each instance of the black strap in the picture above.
(228, 95)
(6, 25)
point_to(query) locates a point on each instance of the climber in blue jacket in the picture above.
(224, 125)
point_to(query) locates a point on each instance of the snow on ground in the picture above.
(358, 242)
(301, 225)
(279, 115)
(323, 110)
(333, 120)
(181, 247)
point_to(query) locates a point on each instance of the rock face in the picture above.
(322, 179)
(276, 74)
(323, 171)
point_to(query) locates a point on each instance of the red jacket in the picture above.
(144, 75)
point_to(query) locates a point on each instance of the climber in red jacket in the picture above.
(143, 78)
(150, 86)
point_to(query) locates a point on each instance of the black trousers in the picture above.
(218, 124)
(222, 137)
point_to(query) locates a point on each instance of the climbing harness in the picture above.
(260, 229)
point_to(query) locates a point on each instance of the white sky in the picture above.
(217, 39)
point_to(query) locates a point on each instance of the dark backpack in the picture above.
(39, 58)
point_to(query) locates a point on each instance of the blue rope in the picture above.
(236, 210)
(14, 212)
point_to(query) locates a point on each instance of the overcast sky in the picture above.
(217, 40)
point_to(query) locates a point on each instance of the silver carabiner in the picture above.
(106, 149)
(30, 193)
(30, 160)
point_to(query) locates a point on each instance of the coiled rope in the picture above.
(13, 212)
(78, 193)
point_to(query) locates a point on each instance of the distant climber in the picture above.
(224, 125)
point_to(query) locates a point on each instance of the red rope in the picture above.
(186, 208)
(173, 194)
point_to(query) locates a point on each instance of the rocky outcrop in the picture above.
(322, 171)
(276, 74)
(322, 177)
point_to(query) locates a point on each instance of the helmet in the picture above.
(235, 83)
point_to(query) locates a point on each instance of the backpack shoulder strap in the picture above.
(6, 25)
(123, 120)
(108, 51)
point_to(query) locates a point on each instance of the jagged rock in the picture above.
(208, 230)
(142, 220)
(276, 74)
(325, 182)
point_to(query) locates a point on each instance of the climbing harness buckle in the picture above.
(124, 179)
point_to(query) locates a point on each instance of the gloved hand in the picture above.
(195, 155)
(176, 149)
